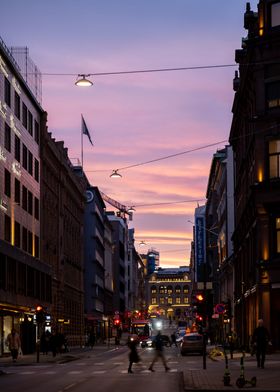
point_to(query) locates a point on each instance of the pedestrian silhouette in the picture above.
(133, 355)
(173, 340)
(159, 353)
(260, 340)
(14, 344)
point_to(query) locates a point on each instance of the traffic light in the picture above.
(117, 322)
(40, 314)
(200, 303)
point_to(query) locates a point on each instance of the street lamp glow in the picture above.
(83, 82)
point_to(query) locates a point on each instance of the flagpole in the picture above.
(82, 146)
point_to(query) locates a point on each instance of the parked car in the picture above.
(192, 343)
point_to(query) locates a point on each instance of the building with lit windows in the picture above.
(25, 280)
(255, 139)
(169, 292)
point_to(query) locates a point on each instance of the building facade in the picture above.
(25, 279)
(62, 225)
(169, 292)
(255, 139)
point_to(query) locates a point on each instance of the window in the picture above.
(169, 290)
(7, 189)
(17, 148)
(36, 169)
(186, 289)
(7, 229)
(275, 14)
(30, 123)
(24, 115)
(273, 94)
(161, 289)
(178, 290)
(37, 132)
(274, 159)
(17, 234)
(30, 163)
(17, 105)
(7, 141)
(36, 246)
(24, 157)
(153, 290)
(24, 239)
(161, 301)
(186, 300)
(30, 203)
(278, 235)
(24, 198)
(178, 300)
(17, 191)
(154, 300)
(7, 92)
(30, 242)
(36, 208)
(169, 301)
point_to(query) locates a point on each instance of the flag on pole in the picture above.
(85, 130)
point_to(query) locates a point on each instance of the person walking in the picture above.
(133, 355)
(14, 344)
(173, 339)
(158, 353)
(260, 340)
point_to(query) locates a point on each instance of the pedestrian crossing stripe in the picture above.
(75, 372)
(99, 372)
(99, 363)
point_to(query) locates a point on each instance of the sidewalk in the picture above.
(73, 354)
(211, 378)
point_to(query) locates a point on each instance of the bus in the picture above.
(141, 328)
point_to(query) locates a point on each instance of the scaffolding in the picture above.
(28, 69)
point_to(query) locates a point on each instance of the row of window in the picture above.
(22, 237)
(21, 279)
(22, 196)
(21, 112)
(23, 156)
(170, 289)
(170, 301)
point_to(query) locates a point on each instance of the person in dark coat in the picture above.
(133, 355)
(173, 340)
(159, 353)
(261, 340)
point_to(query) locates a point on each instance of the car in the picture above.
(192, 343)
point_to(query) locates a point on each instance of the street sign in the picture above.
(220, 308)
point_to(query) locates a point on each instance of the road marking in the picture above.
(173, 362)
(118, 363)
(99, 372)
(99, 363)
(69, 386)
(75, 372)
(49, 372)
(26, 373)
(81, 364)
(173, 370)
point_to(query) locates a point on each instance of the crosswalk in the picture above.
(96, 368)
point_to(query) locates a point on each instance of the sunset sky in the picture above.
(135, 118)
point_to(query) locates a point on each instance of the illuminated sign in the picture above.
(199, 246)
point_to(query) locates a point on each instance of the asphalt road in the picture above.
(104, 372)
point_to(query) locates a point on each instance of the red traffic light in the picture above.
(199, 318)
(117, 322)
